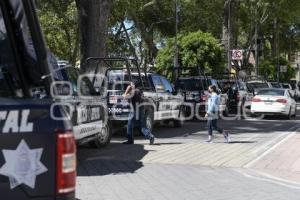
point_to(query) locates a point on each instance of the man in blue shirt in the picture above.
(212, 115)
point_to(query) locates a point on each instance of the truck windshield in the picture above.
(257, 85)
(192, 84)
(286, 86)
(119, 79)
(275, 85)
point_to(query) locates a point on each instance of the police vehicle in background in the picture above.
(89, 114)
(37, 152)
(254, 84)
(239, 96)
(194, 83)
(161, 102)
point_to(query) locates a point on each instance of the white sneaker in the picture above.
(209, 140)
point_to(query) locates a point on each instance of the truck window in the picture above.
(168, 87)
(156, 81)
(8, 80)
(191, 84)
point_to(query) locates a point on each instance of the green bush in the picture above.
(197, 49)
(268, 68)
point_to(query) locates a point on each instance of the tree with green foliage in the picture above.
(150, 23)
(268, 69)
(75, 29)
(59, 22)
(197, 49)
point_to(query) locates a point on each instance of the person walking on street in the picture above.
(135, 94)
(212, 115)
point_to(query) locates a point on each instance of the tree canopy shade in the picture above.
(196, 49)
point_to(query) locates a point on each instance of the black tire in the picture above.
(149, 119)
(226, 112)
(102, 138)
(178, 123)
(295, 115)
(289, 116)
(242, 110)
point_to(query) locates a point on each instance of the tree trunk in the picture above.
(148, 38)
(93, 15)
(228, 23)
(229, 32)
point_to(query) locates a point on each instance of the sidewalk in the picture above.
(284, 161)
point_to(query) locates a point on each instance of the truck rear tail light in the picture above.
(284, 101)
(238, 96)
(204, 97)
(66, 163)
(256, 100)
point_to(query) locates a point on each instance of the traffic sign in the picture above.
(283, 69)
(237, 55)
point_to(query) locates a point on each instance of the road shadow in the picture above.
(114, 159)
(243, 142)
(235, 142)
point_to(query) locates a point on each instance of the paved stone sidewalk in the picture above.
(282, 162)
(136, 181)
(181, 166)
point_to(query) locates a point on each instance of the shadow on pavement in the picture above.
(114, 159)
(235, 142)
(196, 128)
(243, 142)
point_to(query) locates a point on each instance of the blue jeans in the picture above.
(212, 124)
(131, 122)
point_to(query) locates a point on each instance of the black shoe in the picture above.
(152, 140)
(128, 142)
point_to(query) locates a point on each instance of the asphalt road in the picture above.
(182, 166)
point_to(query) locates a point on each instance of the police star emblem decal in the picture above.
(22, 165)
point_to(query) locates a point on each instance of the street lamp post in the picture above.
(229, 37)
(176, 33)
(256, 45)
(277, 50)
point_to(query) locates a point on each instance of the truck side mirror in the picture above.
(159, 88)
(61, 89)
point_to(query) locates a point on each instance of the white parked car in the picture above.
(274, 102)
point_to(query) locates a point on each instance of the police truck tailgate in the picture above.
(28, 150)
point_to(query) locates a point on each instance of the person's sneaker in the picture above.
(152, 139)
(128, 142)
(227, 137)
(209, 140)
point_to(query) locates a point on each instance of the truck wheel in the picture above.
(242, 110)
(178, 123)
(103, 138)
(226, 111)
(289, 116)
(149, 119)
